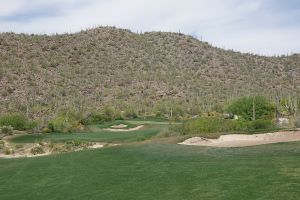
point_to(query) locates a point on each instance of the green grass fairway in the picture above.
(156, 171)
(99, 136)
(116, 122)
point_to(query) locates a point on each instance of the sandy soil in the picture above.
(239, 140)
(25, 149)
(125, 130)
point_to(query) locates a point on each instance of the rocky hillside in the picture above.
(107, 66)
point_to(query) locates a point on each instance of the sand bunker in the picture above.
(239, 140)
(120, 126)
(125, 130)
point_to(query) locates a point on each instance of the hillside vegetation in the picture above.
(149, 73)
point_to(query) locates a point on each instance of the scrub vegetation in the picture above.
(154, 73)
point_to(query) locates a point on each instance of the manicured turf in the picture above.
(116, 122)
(101, 136)
(98, 134)
(156, 171)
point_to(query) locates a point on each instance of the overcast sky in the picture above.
(267, 27)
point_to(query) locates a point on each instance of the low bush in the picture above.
(207, 125)
(30, 125)
(58, 148)
(1, 144)
(77, 144)
(46, 130)
(130, 114)
(211, 125)
(37, 150)
(8, 151)
(61, 125)
(17, 121)
(19, 146)
(260, 124)
(6, 130)
(93, 118)
(297, 122)
(107, 115)
(66, 122)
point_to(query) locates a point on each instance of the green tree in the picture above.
(17, 121)
(247, 106)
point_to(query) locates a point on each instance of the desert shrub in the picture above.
(1, 144)
(51, 144)
(297, 122)
(209, 125)
(17, 121)
(6, 130)
(260, 124)
(167, 109)
(66, 121)
(93, 118)
(60, 148)
(8, 151)
(77, 144)
(46, 130)
(119, 115)
(212, 125)
(108, 113)
(19, 146)
(130, 114)
(244, 108)
(37, 150)
(60, 124)
(30, 125)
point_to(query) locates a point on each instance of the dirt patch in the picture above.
(24, 151)
(239, 140)
(125, 130)
(10, 150)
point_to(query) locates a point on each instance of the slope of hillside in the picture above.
(107, 66)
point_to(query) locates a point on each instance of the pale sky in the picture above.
(266, 27)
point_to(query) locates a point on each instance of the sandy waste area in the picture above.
(241, 140)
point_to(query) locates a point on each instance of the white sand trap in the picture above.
(96, 146)
(239, 140)
(120, 126)
(125, 130)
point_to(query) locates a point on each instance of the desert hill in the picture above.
(106, 66)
